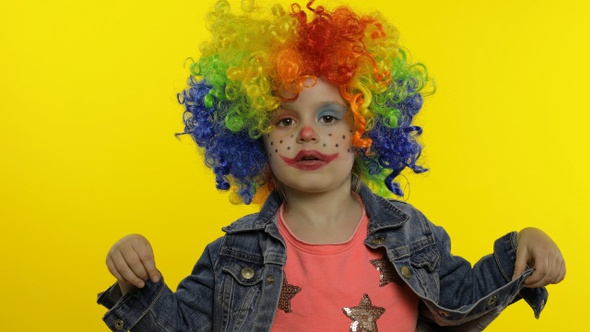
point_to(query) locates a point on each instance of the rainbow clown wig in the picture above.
(236, 83)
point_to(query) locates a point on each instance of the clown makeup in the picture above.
(310, 147)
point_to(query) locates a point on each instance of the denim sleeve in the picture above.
(156, 308)
(462, 284)
(505, 256)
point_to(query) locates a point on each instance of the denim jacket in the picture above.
(236, 284)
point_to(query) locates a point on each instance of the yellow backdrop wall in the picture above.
(88, 154)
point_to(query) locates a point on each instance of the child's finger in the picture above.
(562, 272)
(147, 259)
(559, 266)
(547, 272)
(136, 264)
(550, 269)
(520, 264)
(539, 277)
(556, 269)
(112, 268)
(127, 265)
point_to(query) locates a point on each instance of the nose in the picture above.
(307, 134)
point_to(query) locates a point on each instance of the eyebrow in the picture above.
(322, 105)
(336, 105)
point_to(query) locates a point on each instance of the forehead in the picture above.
(319, 94)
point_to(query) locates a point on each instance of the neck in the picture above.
(326, 217)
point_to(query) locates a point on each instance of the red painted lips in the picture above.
(307, 160)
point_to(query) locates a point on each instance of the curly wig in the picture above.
(251, 58)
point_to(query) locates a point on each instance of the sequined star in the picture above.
(288, 291)
(364, 317)
(387, 272)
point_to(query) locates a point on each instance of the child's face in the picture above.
(310, 148)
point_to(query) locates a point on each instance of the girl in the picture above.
(312, 115)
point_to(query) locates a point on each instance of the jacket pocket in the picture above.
(422, 272)
(240, 292)
(426, 258)
(240, 284)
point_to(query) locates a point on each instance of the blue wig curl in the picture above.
(235, 157)
(396, 146)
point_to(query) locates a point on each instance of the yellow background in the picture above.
(88, 154)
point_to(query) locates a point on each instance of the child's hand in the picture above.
(131, 261)
(538, 251)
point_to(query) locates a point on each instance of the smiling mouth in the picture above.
(307, 160)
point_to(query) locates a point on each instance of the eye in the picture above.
(285, 122)
(327, 119)
(331, 113)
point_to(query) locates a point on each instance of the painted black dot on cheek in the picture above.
(336, 145)
(329, 134)
(272, 143)
(348, 150)
(276, 151)
(343, 137)
(288, 148)
(324, 144)
(281, 141)
(292, 135)
(351, 131)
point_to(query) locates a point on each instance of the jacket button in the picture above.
(378, 240)
(119, 324)
(406, 272)
(270, 280)
(492, 300)
(247, 273)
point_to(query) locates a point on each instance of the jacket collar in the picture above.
(258, 221)
(382, 213)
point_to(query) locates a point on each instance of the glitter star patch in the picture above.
(387, 272)
(287, 293)
(364, 316)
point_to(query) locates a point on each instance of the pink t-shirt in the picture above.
(342, 287)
